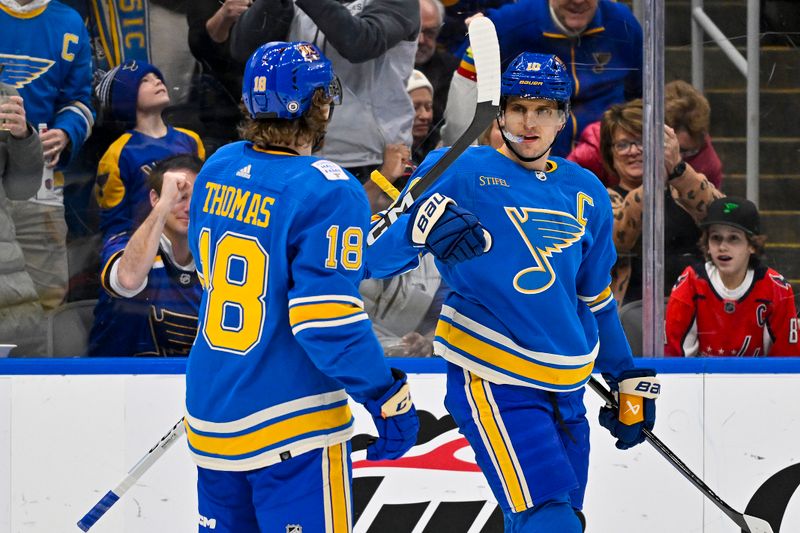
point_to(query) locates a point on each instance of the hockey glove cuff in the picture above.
(636, 391)
(396, 420)
(452, 234)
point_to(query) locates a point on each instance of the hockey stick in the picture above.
(135, 473)
(486, 53)
(748, 523)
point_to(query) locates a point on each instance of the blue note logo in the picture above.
(21, 70)
(546, 232)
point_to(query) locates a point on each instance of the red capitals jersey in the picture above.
(762, 321)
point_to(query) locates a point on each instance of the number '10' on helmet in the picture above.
(532, 75)
(280, 79)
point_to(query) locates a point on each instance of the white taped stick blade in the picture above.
(486, 54)
(757, 525)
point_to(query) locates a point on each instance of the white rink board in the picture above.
(66, 440)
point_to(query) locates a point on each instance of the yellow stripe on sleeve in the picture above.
(109, 189)
(201, 150)
(322, 311)
(104, 275)
(602, 296)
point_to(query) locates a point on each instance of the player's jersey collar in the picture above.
(274, 150)
(24, 12)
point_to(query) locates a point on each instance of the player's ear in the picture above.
(153, 197)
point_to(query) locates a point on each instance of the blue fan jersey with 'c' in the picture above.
(534, 309)
(47, 56)
(283, 336)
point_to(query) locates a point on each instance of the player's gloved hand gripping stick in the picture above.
(636, 392)
(486, 53)
(452, 234)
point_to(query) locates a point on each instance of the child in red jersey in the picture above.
(732, 305)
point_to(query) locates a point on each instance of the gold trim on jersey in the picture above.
(201, 149)
(23, 14)
(499, 359)
(109, 190)
(324, 311)
(497, 442)
(286, 430)
(598, 302)
(337, 500)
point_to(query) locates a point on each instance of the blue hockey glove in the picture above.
(395, 418)
(452, 234)
(636, 391)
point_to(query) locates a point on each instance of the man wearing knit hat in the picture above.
(134, 94)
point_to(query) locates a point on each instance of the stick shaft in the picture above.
(144, 464)
(675, 461)
(486, 52)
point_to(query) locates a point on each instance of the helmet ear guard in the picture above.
(280, 80)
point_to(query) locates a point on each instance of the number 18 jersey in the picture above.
(283, 336)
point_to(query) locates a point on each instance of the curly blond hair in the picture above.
(308, 129)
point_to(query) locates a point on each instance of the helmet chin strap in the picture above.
(509, 138)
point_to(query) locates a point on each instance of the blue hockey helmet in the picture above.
(537, 76)
(280, 80)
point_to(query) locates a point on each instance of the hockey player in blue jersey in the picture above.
(528, 322)
(283, 336)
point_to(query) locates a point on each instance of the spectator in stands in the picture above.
(422, 97)
(134, 93)
(217, 90)
(732, 305)
(437, 64)
(404, 309)
(687, 112)
(152, 293)
(46, 50)
(687, 194)
(372, 51)
(398, 161)
(599, 40)
(395, 170)
(21, 318)
(453, 36)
